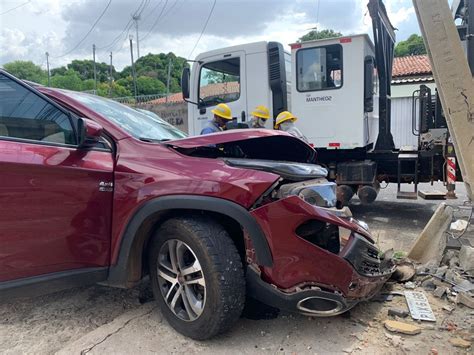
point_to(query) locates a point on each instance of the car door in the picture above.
(55, 198)
(221, 80)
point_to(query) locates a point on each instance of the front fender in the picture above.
(118, 272)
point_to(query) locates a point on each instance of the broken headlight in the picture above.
(318, 192)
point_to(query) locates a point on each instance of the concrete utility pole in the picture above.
(95, 70)
(168, 80)
(110, 76)
(453, 79)
(133, 67)
(136, 18)
(47, 66)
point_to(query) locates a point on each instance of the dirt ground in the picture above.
(100, 320)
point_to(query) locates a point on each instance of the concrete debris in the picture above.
(398, 312)
(465, 299)
(401, 327)
(458, 226)
(460, 342)
(466, 258)
(395, 340)
(464, 285)
(448, 308)
(409, 285)
(440, 291)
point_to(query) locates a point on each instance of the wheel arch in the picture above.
(127, 271)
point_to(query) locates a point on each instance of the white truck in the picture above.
(339, 88)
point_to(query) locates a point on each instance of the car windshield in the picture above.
(140, 125)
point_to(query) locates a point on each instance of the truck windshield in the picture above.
(140, 125)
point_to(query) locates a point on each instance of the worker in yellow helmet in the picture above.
(285, 121)
(259, 116)
(222, 115)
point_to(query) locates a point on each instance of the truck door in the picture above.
(220, 79)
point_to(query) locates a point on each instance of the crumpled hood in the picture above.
(254, 143)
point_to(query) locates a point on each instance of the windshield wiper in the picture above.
(152, 140)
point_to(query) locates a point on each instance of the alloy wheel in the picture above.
(181, 280)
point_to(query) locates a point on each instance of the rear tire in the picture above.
(197, 276)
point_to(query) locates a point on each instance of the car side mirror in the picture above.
(185, 75)
(89, 133)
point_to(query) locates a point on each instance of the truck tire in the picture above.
(197, 276)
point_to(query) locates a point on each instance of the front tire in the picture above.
(197, 276)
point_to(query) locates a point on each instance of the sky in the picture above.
(29, 28)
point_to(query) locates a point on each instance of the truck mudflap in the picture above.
(300, 264)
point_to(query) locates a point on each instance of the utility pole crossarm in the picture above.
(453, 79)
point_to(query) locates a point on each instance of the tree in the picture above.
(70, 80)
(315, 34)
(85, 69)
(27, 70)
(414, 45)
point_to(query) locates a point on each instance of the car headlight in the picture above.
(317, 192)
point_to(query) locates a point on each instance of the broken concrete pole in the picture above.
(466, 258)
(401, 327)
(430, 244)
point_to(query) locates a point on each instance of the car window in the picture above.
(219, 82)
(138, 124)
(26, 115)
(319, 68)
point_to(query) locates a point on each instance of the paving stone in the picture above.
(401, 327)
(460, 342)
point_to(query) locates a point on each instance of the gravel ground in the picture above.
(104, 320)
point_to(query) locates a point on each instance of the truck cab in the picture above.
(324, 83)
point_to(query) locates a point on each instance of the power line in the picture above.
(14, 8)
(126, 28)
(317, 13)
(204, 28)
(156, 21)
(88, 33)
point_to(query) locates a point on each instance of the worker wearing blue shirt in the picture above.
(222, 115)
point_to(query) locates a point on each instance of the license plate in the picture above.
(419, 306)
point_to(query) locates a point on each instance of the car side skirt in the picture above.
(49, 283)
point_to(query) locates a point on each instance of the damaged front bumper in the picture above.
(309, 276)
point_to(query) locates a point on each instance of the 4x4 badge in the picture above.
(105, 186)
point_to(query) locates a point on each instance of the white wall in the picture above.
(402, 113)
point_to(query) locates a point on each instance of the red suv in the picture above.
(93, 191)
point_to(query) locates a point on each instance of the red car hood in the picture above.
(254, 143)
(232, 135)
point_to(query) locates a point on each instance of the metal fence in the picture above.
(138, 100)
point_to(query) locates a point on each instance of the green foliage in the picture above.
(414, 45)
(27, 70)
(152, 74)
(85, 69)
(323, 34)
(70, 80)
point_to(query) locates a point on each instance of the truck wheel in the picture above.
(197, 276)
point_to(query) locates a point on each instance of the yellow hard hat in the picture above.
(262, 112)
(222, 110)
(284, 116)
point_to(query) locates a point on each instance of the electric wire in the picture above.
(14, 8)
(126, 28)
(156, 21)
(87, 34)
(204, 28)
